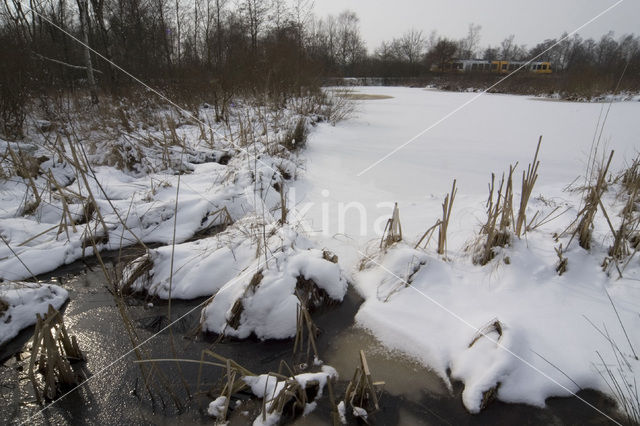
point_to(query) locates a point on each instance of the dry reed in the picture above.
(52, 352)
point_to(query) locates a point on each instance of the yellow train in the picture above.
(498, 67)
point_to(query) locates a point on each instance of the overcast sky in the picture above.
(530, 21)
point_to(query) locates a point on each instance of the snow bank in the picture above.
(22, 302)
(148, 215)
(543, 316)
(201, 267)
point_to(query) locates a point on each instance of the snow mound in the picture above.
(21, 301)
(216, 406)
(264, 299)
(268, 387)
(200, 268)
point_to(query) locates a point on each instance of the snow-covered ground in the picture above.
(423, 304)
(545, 317)
(145, 203)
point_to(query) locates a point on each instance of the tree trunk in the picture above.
(98, 12)
(83, 9)
(179, 33)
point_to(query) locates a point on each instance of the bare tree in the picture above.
(507, 47)
(442, 52)
(469, 44)
(254, 13)
(280, 14)
(543, 51)
(386, 52)
(491, 54)
(350, 48)
(411, 46)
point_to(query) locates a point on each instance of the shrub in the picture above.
(296, 137)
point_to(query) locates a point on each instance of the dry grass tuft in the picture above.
(291, 398)
(329, 256)
(528, 181)
(52, 352)
(139, 268)
(441, 224)
(219, 220)
(561, 266)
(501, 222)
(495, 231)
(592, 199)
(338, 106)
(392, 230)
(362, 390)
(231, 382)
(237, 309)
(295, 137)
(304, 323)
(492, 326)
(24, 164)
(626, 241)
(291, 401)
(4, 307)
(630, 177)
(447, 206)
(310, 295)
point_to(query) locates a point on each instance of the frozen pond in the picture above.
(485, 136)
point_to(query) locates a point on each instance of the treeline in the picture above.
(235, 45)
(413, 53)
(194, 51)
(213, 50)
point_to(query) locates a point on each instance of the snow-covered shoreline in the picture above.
(167, 186)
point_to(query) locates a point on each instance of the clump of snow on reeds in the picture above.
(22, 301)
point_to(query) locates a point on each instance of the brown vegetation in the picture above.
(362, 391)
(501, 222)
(392, 230)
(364, 96)
(52, 352)
(4, 307)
